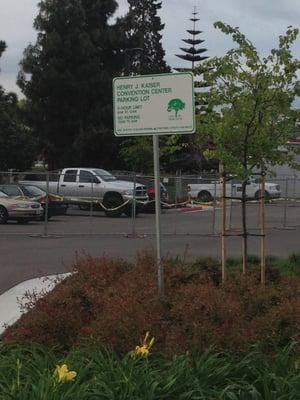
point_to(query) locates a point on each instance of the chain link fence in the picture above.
(94, 202)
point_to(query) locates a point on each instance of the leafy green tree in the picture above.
(66, 76)
(253, 97)
(17, 146)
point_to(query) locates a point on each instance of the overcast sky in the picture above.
(261, 20)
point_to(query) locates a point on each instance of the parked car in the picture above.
(84, 186)
(208, 191)
(56, 205)
(18, 210)
(149, 183)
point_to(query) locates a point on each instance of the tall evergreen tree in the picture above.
(189, 155)
(192, 53)
(143, 26)
(66, 76)
(144, 55)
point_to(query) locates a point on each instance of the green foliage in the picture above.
(26, 372)
(143, 55)
(17, 144)
(111, 303)
(253, 97)
(138, 153)
(66, 76)
(142, 26)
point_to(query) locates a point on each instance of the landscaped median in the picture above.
(205, 340)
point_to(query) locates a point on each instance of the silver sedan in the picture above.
(18, 210)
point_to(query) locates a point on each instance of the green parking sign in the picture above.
(160, 104)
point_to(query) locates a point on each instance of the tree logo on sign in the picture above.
(176, 105)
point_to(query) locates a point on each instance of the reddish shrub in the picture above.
(112, 303)
(58, 318)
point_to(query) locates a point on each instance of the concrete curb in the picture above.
(9, 305)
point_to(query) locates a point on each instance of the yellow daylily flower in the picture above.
(63, 374)
(143, 351)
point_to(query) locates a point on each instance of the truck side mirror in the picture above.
(96, 180)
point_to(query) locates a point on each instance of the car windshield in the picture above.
(105, 175)
(34, 191)
(2, 194)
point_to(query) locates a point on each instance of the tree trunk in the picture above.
(244, 228)
(223, 227)
(262, 230)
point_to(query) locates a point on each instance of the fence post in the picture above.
(294, 186)
(92, 197)
(46, 206)
(229, 219)
(178, 188)
(285, 203)
(11, 177)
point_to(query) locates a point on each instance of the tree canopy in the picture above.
(17, 145)
(253, 98)
(143, 55)
(142, 25)
(66, 76)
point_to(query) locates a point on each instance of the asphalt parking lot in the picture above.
(33, 250)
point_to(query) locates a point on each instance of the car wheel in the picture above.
(204, 196)
(113, 200)
(3, 215)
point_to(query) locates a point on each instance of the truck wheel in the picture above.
(112, 201)
(149, 207)
(204, 196)
(128, 210)
(3, 215)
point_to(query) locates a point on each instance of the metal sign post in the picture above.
(161, 104)
(158, 215)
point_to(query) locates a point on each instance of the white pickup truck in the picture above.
(208, 191)
(84, 186)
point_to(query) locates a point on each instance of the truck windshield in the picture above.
(105, 175)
